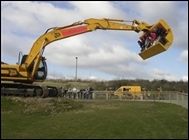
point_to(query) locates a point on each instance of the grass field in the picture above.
(60, 118)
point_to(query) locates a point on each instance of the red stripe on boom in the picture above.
(73, 31)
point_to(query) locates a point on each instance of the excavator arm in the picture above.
(26, 71)
(88, 25)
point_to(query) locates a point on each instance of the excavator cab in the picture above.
(41, 73)
(163, 41)
(42, 70)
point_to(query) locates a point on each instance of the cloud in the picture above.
(38, 15)
(97, 9)
(12, 44)
(55, 76)
(160, 74)
(185, 78)
(108, 54)
(33, 18)
(184, 56)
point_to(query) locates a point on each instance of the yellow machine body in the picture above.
(134, 90)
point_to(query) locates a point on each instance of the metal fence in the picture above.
(174, 97)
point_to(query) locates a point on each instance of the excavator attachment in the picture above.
(163, 41)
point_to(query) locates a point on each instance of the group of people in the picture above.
(74, 93)
(149, 37)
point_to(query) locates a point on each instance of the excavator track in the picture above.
(28, 90)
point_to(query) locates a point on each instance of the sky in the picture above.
(102, 55)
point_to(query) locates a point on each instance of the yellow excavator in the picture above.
(18, 78)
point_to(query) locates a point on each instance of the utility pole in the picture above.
(76, 69)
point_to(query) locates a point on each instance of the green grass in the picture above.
(60, 118)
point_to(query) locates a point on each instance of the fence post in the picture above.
(178, 99)
(93, 95)
(120, 97)
(106, 96)
(184, 102)
(170, 97)
(141, 97)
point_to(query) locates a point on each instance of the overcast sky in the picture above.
(102, 55)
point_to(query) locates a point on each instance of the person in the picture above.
(150, 39)
(161, 34)
(141, 42)
(74, 92)
(90, 92)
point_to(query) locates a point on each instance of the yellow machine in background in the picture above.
(132, 91)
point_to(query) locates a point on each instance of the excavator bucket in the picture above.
(163, 41)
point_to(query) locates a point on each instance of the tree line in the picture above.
(154, 85)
